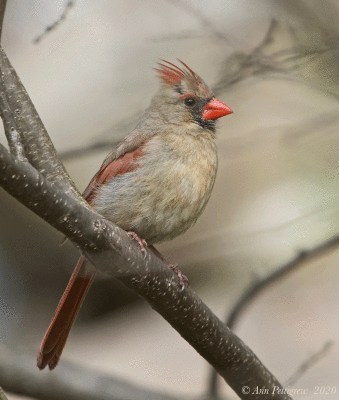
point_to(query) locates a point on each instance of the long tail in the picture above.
(61, 324)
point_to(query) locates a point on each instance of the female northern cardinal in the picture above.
(154, 185)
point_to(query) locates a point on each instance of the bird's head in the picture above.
(184, 98)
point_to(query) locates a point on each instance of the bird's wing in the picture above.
(118, 162)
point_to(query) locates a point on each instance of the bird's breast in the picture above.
(168, 190)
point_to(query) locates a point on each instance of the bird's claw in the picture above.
(182, 279)
(141, 242)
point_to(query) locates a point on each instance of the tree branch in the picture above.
(55, 24)
(302, 259)
(312, 360)
(11, 132)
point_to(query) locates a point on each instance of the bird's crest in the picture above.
(173, 75)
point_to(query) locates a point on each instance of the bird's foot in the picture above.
(182, 279)
(141, 242)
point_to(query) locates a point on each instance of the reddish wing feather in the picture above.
(125, 163)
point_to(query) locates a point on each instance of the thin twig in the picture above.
(55, 24)
(310, 362)
(302, 259)
(260, 62)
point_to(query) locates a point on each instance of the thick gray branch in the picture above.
(11, 130)
(2, 395)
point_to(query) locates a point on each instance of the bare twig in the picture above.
(310, 362)
(261, 61)
(55, 24)
(302, 259)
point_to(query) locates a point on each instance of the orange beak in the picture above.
(215, 109)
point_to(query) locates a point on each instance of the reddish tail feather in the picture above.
(58, 330)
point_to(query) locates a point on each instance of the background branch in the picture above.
(301, 260)
(18, 375)
(55, 24)
(312, 360)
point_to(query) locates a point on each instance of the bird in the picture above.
(154, 185)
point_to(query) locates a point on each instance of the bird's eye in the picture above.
(189, 101)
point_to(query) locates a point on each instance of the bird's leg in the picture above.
(182, 279)
(141, 242)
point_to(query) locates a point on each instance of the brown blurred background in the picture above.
(275, 63)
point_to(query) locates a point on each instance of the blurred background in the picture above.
(275, 63)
